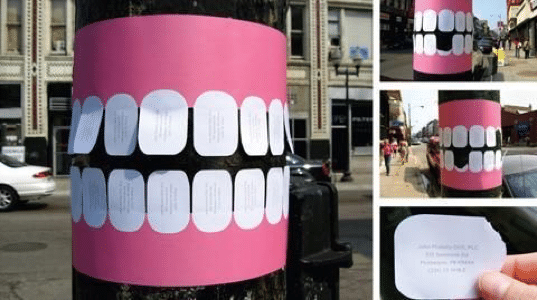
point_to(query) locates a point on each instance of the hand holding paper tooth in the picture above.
(514, 281)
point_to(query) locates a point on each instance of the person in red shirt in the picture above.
(387, 151)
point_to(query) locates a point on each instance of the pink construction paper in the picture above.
(187, 258)
(186, 53)
(438, 5)
(437, 64)
(468, 113)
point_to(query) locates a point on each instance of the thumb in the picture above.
(498, 286)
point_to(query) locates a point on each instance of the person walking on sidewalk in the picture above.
(517, 48)
(526, 46)
(387, 151)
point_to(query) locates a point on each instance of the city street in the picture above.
(397, 65)
(414, 179)
(35, 242)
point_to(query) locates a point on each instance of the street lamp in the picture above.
(348, 67)
(410, 119)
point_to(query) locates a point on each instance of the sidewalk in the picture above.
(517, 69)
(404, 181)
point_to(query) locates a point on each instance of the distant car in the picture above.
(519, 176)
(433, 156)
(485, 44)
(20, 182)
(314, 170)
(415, 141)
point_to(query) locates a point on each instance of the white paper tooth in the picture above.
(449, 160)
(460, 21)
(441, 159)
(429, 44)
(468, 44)
(443, 53)
(491, 136)
(249, 206)
(458, 44)
(460, 136)
(469, 21)
(440, 140)
(498, 164)
(489, 161)
(477, 136)
(429, 20)
(418, 17)
(446, 20)
(212, 199)
(447, 137)
(476, 161)
(94, 206)
(419, 44)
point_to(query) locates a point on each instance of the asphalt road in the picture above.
(35, 249)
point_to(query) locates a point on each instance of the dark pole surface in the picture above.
(470, 140)
(105, 242)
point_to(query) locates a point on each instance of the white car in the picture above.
(20, 182)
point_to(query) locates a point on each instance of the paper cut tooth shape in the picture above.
(286, 184)
(469, 21)
(75, 121)
(446, 20)
(76, 194)
(446, 134)
(458, 44)
(468, 44)
(419, 44)
(489, 159)
(276, 127)
(418, 18)
(249, 198)
(126, 200)
(477, 136)
(88, 126)
(491, 136)
(168, 201)
(253, 127)
(288, 127)
(460, 136)
(94, 197)
(212, 200)
(460, 21)
(498, 162)
(216, 126)
(274, 208)
(429, 44)
(429, 20)
(476, 161)
(163, 123)
(120, 124)
(449, 160)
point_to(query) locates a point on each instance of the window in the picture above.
(334, 31)
(13, 26)
(300, 139)
(297, 31)
(58, 21)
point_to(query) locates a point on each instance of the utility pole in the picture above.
(443, 41)
(471, 156)
(179, 183)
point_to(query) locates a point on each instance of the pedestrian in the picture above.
(526, 49)
(517, 48)
(387, 152)
(394, 148)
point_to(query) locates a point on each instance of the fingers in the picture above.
(498, 286)
(522, 267)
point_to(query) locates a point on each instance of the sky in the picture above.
(490, 10)
(424, 103)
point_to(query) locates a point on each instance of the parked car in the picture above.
(433, 156)
(20, 182)
(519, 176)
(309, 171)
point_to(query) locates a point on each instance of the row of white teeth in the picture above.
(426, 44)
(447, 21)
(478, 161)
(460, 137)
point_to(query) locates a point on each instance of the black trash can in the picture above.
(314, 253)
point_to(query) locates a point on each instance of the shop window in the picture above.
(300, 138)
(297, 31)
(14, 27)
(58, 22)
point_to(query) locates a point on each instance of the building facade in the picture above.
(36, 62)
(396, 22)
(522, 20)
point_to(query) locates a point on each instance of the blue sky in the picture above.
(490, 10)
(429, 100)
